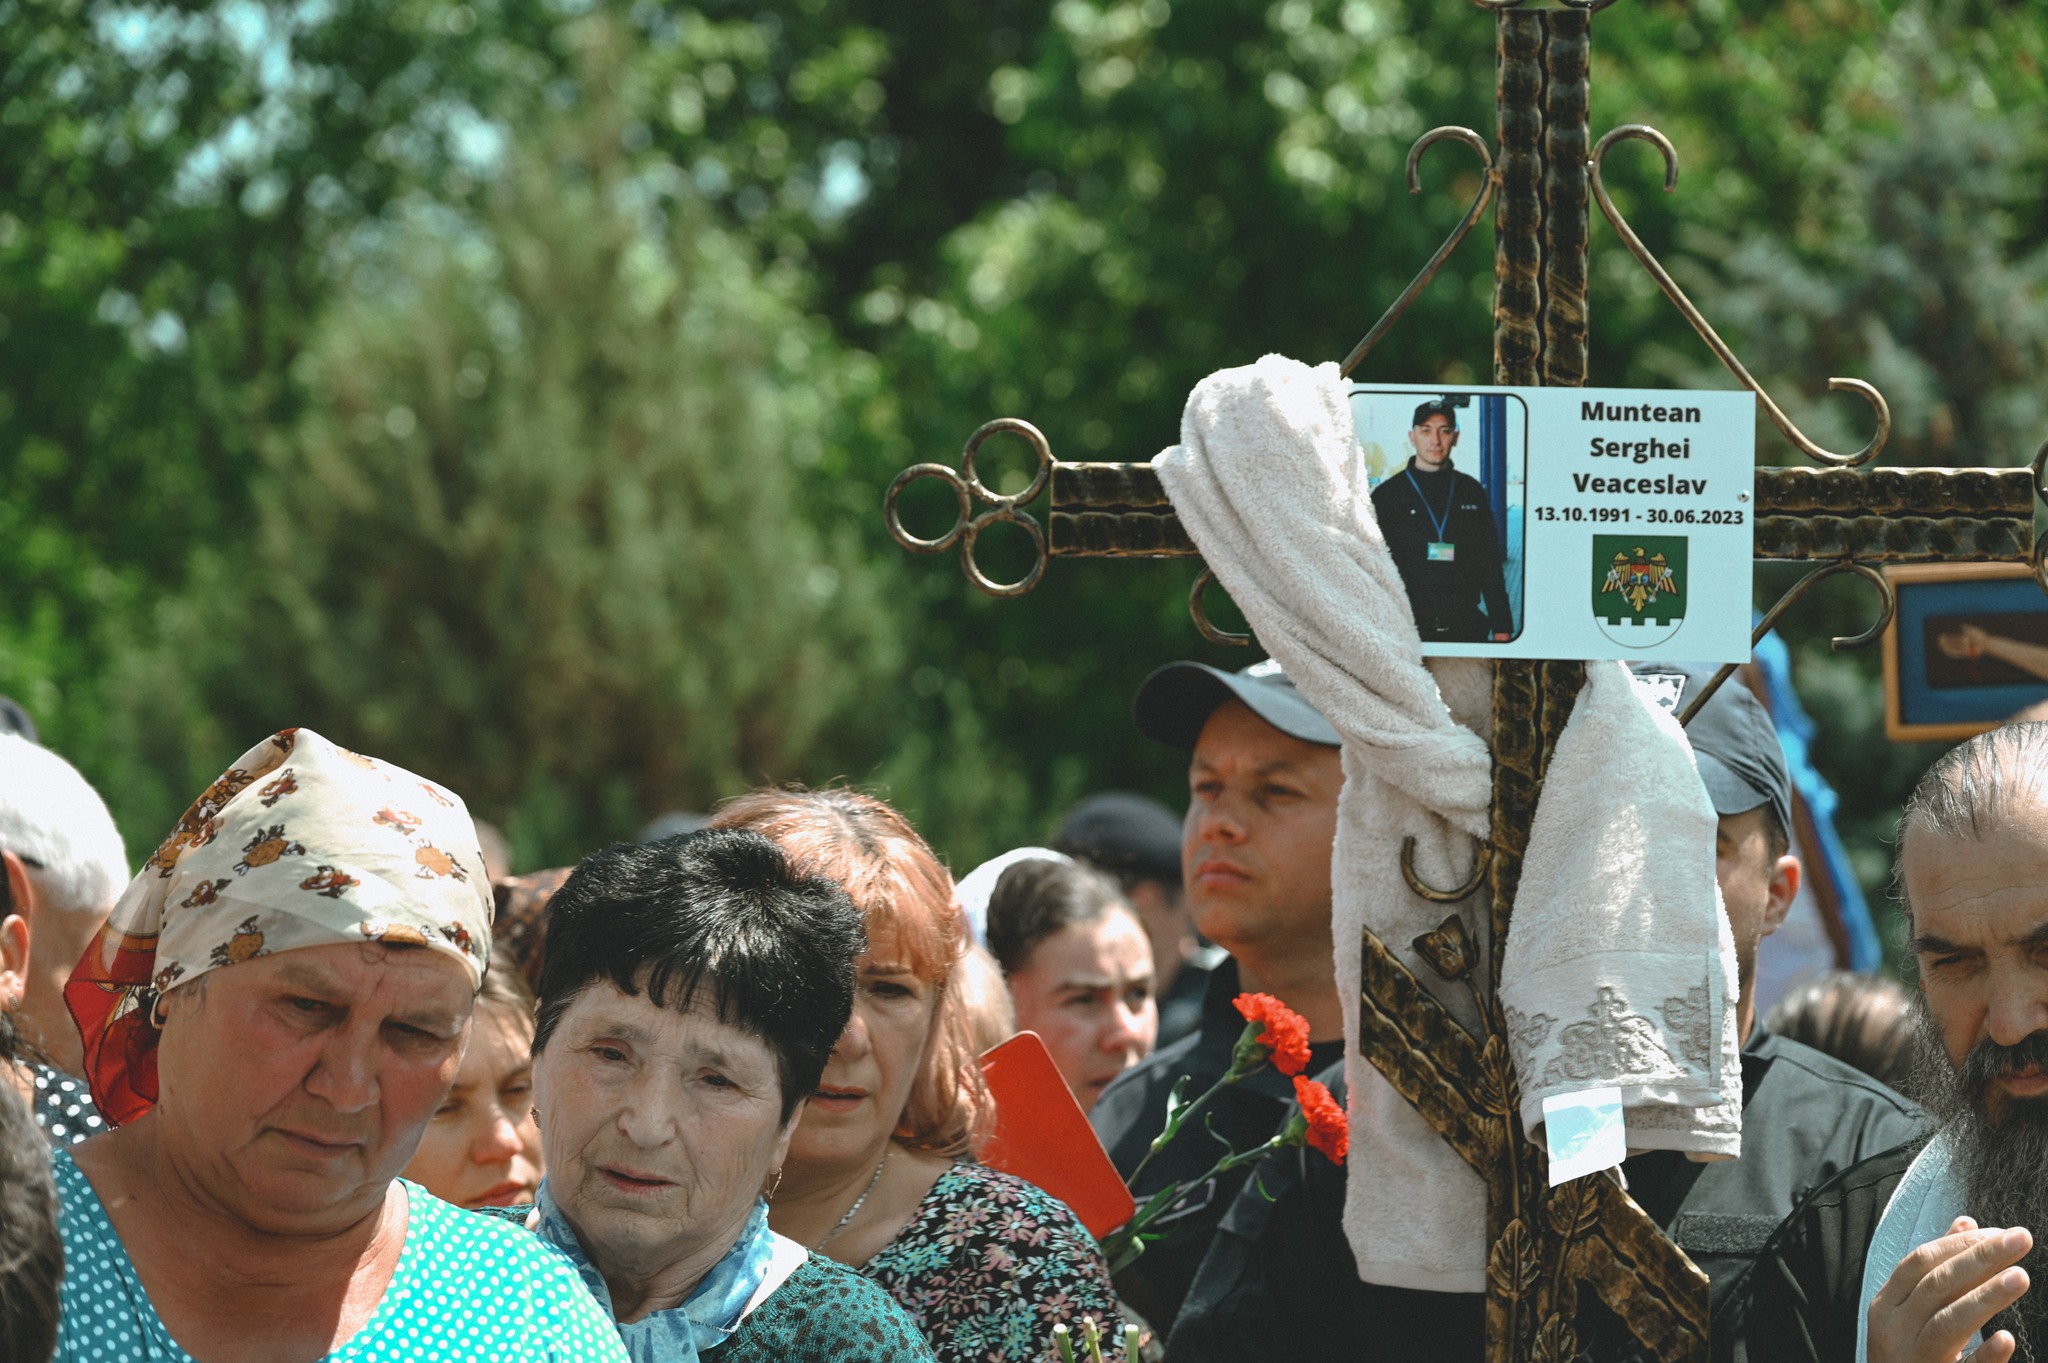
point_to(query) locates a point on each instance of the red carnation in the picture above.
(1328, 1129)
(1286, 1034)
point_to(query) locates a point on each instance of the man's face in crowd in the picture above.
(1980, 938)
(1262, 817)
(1433, 440)
(1979, 910)
(1757, 884)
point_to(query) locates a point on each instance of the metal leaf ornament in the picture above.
(1448, 948)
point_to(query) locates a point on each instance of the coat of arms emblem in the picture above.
(1639, 587)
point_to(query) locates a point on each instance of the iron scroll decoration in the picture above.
(969, 490)
(967, 487)
(1644, 133)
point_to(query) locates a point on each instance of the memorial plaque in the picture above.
(1567, 522)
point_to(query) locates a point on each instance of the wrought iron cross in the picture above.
(1543, 177)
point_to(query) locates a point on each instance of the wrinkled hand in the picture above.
(1944, 1292)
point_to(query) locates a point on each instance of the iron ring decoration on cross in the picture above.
(967, 489)
(1480, 864)
(1488, 182)
(1201, 613)
(1644, 133)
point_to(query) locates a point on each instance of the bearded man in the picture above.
(1916, 1255)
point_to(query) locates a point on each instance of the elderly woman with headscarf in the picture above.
(882, 1174)
(270, 1019)
(690, 994)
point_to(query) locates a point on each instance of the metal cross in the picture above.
(1542, 177)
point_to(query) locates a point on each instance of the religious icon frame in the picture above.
(1919, 705)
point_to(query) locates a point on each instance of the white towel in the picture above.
(1270, 483)
(1620, 970)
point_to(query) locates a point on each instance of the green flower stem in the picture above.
(1124, 1245)
(1247, 1058)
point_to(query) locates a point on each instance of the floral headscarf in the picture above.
(300, 843)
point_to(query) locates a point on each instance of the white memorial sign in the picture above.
(1567, 522)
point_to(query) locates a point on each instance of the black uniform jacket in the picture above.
(1447, 596)
(1132, 1111)
(1807, 1288)
(1806, 1117)
(1279, 1281)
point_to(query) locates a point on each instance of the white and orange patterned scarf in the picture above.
(300, 843)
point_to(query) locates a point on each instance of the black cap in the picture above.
(1443, 407)
(15, 720)
(1741, 762)
(1125, 835)
(1177, 700)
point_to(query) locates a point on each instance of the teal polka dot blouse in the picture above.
(466, 1287)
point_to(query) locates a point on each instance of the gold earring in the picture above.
(774, 1182)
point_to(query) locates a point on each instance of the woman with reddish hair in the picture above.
(881, 1173)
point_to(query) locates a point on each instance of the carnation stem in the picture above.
(1246, 1060)
(1124, 1245)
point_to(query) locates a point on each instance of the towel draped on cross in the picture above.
(1620, 969)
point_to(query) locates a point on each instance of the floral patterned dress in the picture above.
(990, 1263)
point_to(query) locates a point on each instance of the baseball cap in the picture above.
(15, 720)
(1442, 407)
(1125, 834)
(1176, 701)
(1741, 762)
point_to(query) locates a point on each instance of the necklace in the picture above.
(858, 1203)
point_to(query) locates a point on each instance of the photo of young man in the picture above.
(1440, 529)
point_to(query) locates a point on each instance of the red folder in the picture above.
(1041, 1135)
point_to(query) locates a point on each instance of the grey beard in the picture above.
(2000, 1149)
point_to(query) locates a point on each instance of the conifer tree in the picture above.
(541, 531)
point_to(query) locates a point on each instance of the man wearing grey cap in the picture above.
(1805, 1116)
(1263, 777)
(1265, 1283)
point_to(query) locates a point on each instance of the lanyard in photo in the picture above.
(1436, 522)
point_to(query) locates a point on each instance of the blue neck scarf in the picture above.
(707, 1317)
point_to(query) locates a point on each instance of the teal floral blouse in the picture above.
(990, 1264)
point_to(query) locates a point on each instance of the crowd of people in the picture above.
(323, 1080)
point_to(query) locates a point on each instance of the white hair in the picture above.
(49, 815)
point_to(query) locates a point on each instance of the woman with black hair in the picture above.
(690, 995)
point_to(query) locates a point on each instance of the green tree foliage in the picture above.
(538, 530)
(1912, 249)
(240, 240)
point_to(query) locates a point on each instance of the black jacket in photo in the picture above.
(1463, 599)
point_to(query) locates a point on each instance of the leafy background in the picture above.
(509, 388)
